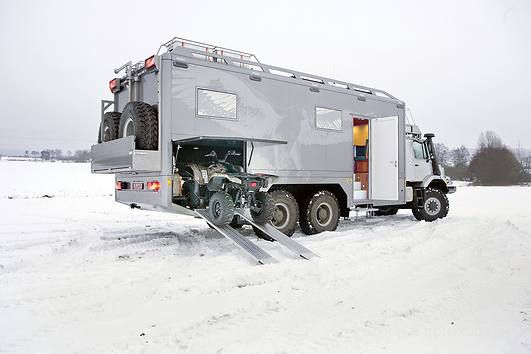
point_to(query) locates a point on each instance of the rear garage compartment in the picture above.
(195, 151)
(196, 159)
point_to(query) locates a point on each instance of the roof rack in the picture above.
(207, 48)
(245, 60)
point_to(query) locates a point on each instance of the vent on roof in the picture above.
(281, 73)
(338, 84)
(312, 79)
(368, 92)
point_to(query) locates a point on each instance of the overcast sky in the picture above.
(461, 66)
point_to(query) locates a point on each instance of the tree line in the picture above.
(492, 162)
(58, 154)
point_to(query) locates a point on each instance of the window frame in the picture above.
(424, 150)
(340, 129)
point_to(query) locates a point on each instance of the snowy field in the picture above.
(80, 273)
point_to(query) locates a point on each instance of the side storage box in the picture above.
(120, 156)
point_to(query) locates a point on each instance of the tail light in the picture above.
(114, 85)
(118, 185)
(253, 184)
(150, 63)
(153, 186)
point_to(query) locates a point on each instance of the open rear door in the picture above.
(383, 159)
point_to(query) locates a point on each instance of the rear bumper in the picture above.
(451, 189)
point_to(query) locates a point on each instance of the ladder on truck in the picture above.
(255, 252)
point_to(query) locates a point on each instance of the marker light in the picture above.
(153, 186)
(149, 63)
(114, 85)
(118, 185)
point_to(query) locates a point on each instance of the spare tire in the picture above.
(140, 119)
(111, 123)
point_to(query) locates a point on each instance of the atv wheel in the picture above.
(435, 206)
(386, 211)
(221, 208)
(140, 119)
(265, 206)
(111, 123)
(319, 213)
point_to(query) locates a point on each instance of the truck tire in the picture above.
(386, 211)
(267, 206)
(319, 213)
(141, 120)
(416, 213)
(435, 206)
(111, 123)
(221, 209)
(286, 212)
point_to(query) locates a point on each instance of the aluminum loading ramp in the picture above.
(278, 236)
(255, 252)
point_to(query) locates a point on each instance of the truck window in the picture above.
(419, 151)
(326, 118)
(216, 104)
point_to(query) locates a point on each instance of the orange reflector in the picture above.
(149, 63)
(153, 186)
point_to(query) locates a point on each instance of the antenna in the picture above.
(410, 115)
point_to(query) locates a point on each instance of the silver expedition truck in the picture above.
(207, 131)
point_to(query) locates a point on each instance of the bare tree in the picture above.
(460, 157)
(443, 154)
(489, 139)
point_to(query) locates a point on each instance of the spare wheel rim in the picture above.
(106, 133)
(129, 127)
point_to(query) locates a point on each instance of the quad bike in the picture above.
(222, 187)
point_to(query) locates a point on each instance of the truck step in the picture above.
(241, 241)
(369, 211)
(282, 239)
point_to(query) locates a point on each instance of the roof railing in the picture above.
(209, 52)
(207, 48)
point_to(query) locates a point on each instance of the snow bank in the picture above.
(88, 275)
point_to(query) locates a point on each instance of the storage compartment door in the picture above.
(383, 158)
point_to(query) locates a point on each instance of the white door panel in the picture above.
(383, 158)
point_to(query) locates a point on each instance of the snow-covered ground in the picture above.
(81, 273)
